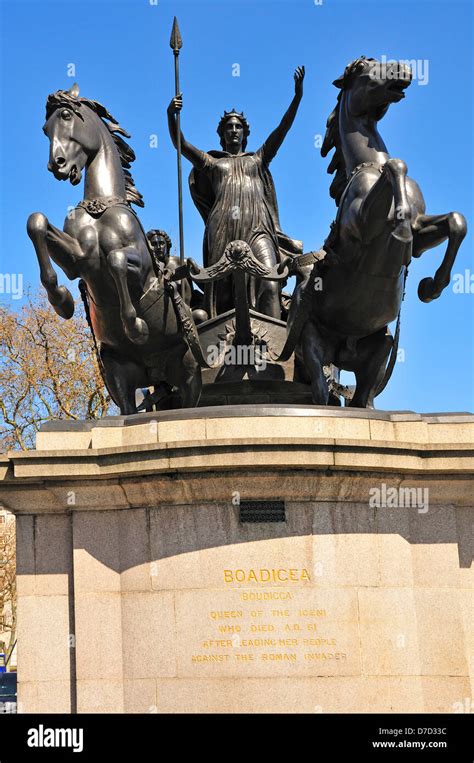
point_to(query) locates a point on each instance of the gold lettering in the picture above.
(265, 596)
(278, 657)
(325, 656)
(210, 657)
(213, 643)
(265, 575)
(254, 643)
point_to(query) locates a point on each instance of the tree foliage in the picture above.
(48, 369)
(8, 584)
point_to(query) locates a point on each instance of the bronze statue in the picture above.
(380, 225)
(139, 337)
(234, 192)
(160, 246)
(164, 263)
(167, 264)
(140, 301)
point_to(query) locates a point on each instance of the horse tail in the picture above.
(392, 360)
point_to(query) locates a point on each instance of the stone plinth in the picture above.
(140, 590)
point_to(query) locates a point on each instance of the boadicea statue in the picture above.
(234, 191)
(154, 328)
(380, 225)
(130, 305)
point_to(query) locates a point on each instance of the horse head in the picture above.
(78, 129)
(370, 86)
(73, 135)
(366, 90)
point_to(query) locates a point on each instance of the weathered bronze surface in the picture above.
(380, 225)
(138, 335)
(234, 192)
(157, 319)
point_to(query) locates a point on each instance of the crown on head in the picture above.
(228, 115)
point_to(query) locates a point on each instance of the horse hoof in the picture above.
(62, 302)
(139, 333)
(426, 290)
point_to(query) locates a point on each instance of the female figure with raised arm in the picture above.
(234, 192)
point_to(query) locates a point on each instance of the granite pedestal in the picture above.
(141, 587)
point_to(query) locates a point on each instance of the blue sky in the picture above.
(122, 58)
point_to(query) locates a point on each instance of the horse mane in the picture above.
(125, 151)
(332, 138)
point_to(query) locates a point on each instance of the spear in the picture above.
(176, 44)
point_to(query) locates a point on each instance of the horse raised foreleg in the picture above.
(375, 208)
(396, 169)
(430, 231)
(59, 296)
(135, 328)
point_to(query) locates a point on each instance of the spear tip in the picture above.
(175, 40)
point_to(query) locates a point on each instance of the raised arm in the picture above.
(196, 157)
(276, 138)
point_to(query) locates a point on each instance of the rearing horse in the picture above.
(380, 225)
(140, 337)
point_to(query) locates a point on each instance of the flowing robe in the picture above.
(236, 197)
